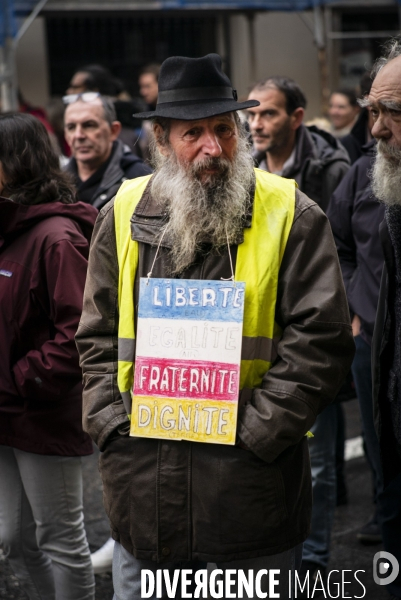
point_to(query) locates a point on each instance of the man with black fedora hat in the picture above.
(207, 215)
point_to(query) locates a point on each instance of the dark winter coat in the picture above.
(382, 362)
(320, 164)
(355, 215)
(170, 500)
(43, 261)
(123, 165)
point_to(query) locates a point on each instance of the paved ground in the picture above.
(347, 553)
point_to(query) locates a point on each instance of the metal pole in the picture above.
(29, 20)
(227, 44)
(355, 35)
(252, 45)
(8, 69)
(7, 77)
(11, 59)
(4, 81)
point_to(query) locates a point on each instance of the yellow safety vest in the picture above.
(258, 263)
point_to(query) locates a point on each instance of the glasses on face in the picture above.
(84, 96)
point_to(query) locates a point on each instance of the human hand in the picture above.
(356, 325)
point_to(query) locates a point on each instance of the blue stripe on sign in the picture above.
(191, 299)
(6, 273)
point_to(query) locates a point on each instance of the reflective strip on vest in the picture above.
(126, 349)
(258, 263)
(258, 347)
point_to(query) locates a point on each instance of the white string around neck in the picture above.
(157, 252)
(232, 278)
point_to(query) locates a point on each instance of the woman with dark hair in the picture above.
(44, 245)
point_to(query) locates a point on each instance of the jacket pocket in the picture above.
(128, 470)
(251, 499)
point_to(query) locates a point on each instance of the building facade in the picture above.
(125, 34)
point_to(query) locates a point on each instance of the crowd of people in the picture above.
(177, 185)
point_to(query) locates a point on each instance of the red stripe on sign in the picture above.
(186, 379)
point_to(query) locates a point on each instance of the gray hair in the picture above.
(392, 49)
(109, 110)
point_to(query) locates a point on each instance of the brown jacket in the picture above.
(170, 500)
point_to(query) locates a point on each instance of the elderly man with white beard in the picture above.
(206, 215)
(384, 102)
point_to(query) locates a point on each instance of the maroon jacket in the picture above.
(43, 260)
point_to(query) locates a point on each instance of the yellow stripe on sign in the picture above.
(194, 420)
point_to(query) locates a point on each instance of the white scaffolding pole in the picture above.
(320, 42)
(8, 69)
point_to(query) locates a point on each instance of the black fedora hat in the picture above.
(194, 88)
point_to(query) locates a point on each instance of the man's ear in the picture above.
(159, 134)
(115, 130)
(297, 117)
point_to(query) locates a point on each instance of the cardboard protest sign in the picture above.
(187, 365)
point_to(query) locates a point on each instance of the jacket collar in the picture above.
(304, 149)
(369, 149)
(312, 146)
(113, 173)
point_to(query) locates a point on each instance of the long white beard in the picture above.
(386, 174)
(211, 211)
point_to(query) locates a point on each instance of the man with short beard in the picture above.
(283, 145)
(384, 102)
(207, 214)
